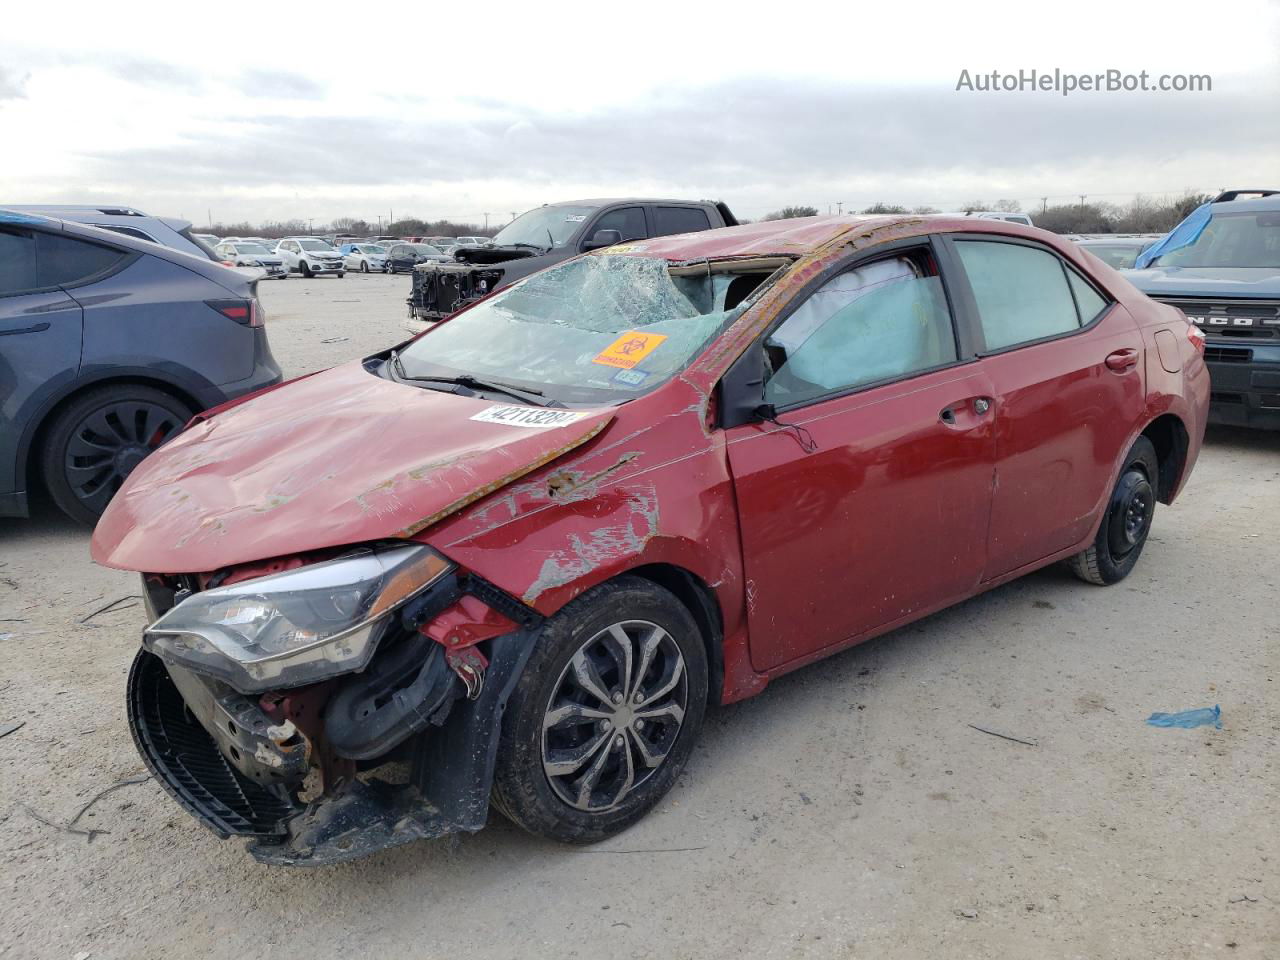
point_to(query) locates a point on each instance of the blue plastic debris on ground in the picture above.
(1188, 718)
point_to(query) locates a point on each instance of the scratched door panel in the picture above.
(888, 515)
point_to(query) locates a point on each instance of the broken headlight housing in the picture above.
(297, 627)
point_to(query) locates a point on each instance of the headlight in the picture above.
(296, 627)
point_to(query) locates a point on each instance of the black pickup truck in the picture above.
(547, 235)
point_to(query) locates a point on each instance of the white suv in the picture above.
(310, 256)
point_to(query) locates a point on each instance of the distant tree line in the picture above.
(1140, 215)
(407, 227)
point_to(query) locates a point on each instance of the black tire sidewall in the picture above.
(1143, 455)
(63, 427)
(521, 787)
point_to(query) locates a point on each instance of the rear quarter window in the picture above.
(669, 220)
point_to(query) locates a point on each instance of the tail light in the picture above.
(246, 312)
(1196, 336)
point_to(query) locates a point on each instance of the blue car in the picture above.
(108, 346)
(1221, 267)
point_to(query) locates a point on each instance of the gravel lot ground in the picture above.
(849, 811)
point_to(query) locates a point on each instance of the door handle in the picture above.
(1122, 360)
(978, 406)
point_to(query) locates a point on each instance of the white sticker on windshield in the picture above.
(575, 218)
(535, 417)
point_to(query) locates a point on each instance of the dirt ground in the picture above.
(849, 811)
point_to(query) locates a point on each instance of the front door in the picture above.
(867, 499)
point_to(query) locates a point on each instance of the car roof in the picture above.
(202, 265)
(1258, 204)
(805, 235)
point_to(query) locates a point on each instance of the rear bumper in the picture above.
(1245, 384)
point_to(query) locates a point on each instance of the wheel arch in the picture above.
(700, 600)
(1169, 435)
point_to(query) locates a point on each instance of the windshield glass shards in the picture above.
(599, 328)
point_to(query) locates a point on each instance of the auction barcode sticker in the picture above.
(534, 417)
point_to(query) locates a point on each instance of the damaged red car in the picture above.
(513, 560)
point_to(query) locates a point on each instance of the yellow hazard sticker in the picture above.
(629, 349)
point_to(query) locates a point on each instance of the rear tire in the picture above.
(1125, 524)
(578, 766)
(364, 266)
(99, 438)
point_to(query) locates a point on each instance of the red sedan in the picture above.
(515, 558)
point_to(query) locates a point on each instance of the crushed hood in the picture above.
(340, 457)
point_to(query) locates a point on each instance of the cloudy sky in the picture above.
(457, 110)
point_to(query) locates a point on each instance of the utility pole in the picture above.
(840, 208)
(1044, 204)
(1082, 196)
(209, 213)
(513, 216)
(486, 221)
(310, 225)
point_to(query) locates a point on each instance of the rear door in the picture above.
(1067, 367)
(866, 500)
(40, 336)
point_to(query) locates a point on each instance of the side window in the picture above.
(1088, 302)
(17, 263)
(628, 221)
(879, 321)
(64, 260)
(1021, 292)
(667, 220)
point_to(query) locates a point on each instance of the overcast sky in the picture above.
(454, 110)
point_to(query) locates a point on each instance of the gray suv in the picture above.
(1221, 267)
(108, 346)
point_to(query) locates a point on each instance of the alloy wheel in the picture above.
(109, 443)
(614, 715)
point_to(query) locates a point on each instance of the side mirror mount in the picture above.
(603, 238)
(741, 390)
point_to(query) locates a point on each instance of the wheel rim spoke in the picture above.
(570, 714)
(564, 762)
(648, 648)
(623, 654)
(588, 677)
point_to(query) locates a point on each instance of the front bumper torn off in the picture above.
(447, 791)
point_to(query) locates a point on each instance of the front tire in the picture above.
(364, 266)
(305, 270)
(605, 715)
(97, 441)
(1127, 521)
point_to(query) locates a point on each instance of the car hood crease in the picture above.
(340, 457)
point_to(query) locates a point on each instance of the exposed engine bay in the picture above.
(331, 770)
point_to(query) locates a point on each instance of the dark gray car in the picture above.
(108, 346)
(548, 235)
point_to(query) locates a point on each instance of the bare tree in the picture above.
(788, 213)
(881, 207)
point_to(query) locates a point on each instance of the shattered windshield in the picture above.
(1231, 240)
(544, 228)
(595, 329)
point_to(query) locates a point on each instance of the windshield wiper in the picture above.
(534, 397)
(531, 246)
